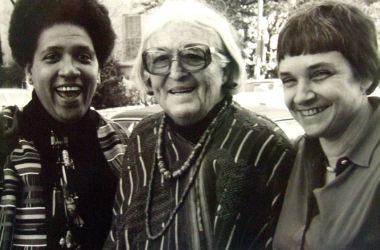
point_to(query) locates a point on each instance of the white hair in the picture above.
(198, 14)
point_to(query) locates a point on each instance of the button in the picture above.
(342, 164)
(344, 161)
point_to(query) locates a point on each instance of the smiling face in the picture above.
(64, 71)
(187, 97)
(321, 92)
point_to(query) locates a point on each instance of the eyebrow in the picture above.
(309, 68)
(49, 48)
(79, 47)
(284, 74)
(319, 65)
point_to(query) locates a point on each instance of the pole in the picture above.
(259, 41)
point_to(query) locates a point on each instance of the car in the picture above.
(128, 119)
(14, 96)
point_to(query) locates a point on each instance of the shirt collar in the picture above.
(362, 151)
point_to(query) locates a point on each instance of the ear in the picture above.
(28, 74)
(227, 71)
(365, 84)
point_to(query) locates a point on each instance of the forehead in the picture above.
(306, 61)
(177, 34)
(64, 35)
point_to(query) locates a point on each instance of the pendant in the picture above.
(67, 161)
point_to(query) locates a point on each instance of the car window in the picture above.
(18, 97)
(3, 101)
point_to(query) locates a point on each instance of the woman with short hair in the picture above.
(329, 64)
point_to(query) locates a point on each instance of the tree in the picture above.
(243, 16)
(1, 54)
(12, 76)
(112, 91)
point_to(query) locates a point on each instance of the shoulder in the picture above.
(108, 128)
(24, 148)
(250, 122)
(147, 125)
(24, 158)
(143, 137)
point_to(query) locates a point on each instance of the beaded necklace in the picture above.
(196, 155)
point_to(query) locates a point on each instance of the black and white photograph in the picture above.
(189, 124)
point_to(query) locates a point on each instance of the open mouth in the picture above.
(181, 90)
(69, 91)
(312, 111)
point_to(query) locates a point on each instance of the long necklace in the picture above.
(199, 150)
(64, 195)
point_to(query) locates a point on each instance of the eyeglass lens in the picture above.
(191, 58)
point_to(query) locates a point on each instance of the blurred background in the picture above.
(257, 21)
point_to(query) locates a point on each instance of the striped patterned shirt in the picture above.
(22, 208)
(236, 198)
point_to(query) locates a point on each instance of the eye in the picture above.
(161, 60)
(52, 57)
(320, 75)
(288, 81)
(192, 57)
(85, 58)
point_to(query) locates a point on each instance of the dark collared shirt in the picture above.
(343, 214)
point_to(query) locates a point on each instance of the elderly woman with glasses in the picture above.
(328, 70)
(204, 173)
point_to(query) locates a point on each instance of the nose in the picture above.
(304, 92)
(68, 68)
(176, 71)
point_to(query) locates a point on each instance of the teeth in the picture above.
(312, 111)
(67, 88)
(68, 91)
(180, 91)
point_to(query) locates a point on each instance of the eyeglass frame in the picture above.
(174, 57)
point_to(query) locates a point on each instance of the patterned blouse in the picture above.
(23, 210)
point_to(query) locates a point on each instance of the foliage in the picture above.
(12, 76)
(243, 15)
(113, 89)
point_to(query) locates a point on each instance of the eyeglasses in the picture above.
(192, 58)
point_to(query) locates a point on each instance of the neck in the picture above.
(338, 146)
(194, 131)
(37, 123)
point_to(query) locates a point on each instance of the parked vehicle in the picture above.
(130, 118)
(14, 96)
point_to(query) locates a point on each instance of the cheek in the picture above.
(156, 83)
(40, 74)
(288, 96)
(212, 80)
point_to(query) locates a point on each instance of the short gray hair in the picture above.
(200, 15)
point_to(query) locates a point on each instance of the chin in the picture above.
(70, 118)
(184, 118)
(313, 133)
